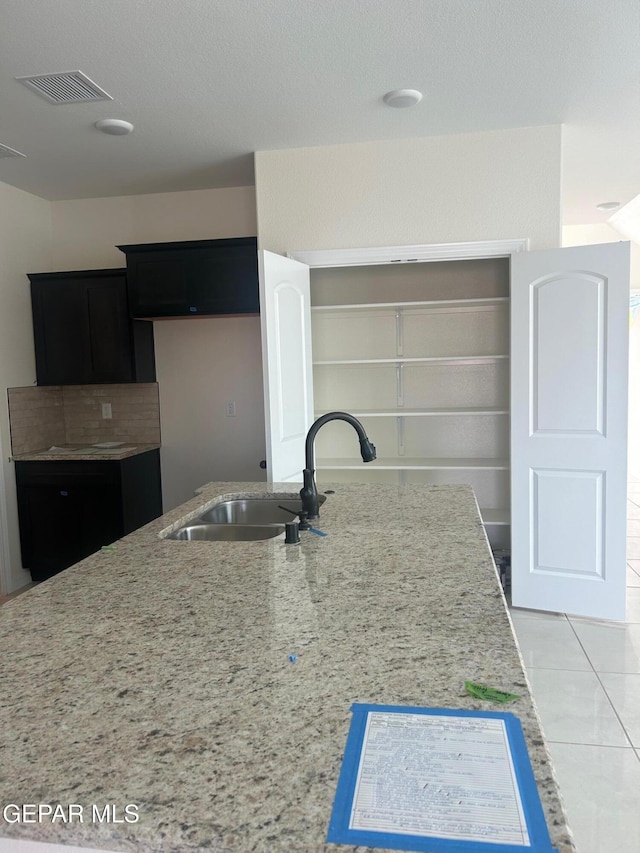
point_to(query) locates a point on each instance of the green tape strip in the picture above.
(489, 693)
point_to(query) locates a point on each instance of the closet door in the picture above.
(569, 364)
(285, 314)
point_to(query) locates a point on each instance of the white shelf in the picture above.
(460, 304)
(384, 340)
(401, 412)
(408, 463)
(495, 516)
(441, 359)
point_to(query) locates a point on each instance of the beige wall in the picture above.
(87, 231)
(200, 363)
(476, 186)
(25, 246)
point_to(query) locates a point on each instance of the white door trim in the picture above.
(408, 254)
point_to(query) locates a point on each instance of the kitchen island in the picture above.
(158, 674)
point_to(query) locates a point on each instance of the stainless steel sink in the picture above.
(226, 532)
(254, 511)
(242, 520)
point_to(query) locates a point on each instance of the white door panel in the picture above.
(285, 312)
(569, 343)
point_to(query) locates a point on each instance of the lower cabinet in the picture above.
(69, 510)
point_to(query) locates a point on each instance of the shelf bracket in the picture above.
(400, 430)
(399, 385)
(399, 332)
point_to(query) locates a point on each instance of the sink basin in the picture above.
(242, 520)
(226, 532)
(254, 511)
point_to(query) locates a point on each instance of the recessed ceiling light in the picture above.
(402, 98)
(608, 205)
(114, 126)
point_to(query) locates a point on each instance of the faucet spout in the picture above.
(309, 492)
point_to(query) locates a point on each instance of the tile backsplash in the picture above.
(72, 414)
(36, 416)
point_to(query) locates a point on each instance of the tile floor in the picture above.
(585, 677)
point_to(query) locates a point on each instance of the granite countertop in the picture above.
(157, 672)
(86, 452)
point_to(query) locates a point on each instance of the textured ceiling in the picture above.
(207, 82)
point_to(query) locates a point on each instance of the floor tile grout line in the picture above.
(598, 745)
(597, 675)
(632, 569)
(560, 669)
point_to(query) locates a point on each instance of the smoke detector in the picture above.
(402, 98)
(114, 126)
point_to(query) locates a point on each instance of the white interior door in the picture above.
(569, 345)
(285, 311)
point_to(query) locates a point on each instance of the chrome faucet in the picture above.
(309, 492)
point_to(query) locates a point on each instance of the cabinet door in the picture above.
(286, 359)
(199, 277)
(61, 332)
(569, 352)
(101, 518)
(50, 528)
(82, 331)
(109, 330)
(157, 285)
(225, 280)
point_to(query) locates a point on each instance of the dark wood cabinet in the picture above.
(191, 278)
(82, 331)
(69, 510)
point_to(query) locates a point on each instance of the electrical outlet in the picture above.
(106, 412)
(230, 408)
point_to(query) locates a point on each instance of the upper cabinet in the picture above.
(193, 278)
(82, 331)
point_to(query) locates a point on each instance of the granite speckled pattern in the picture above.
(157, 672)
(85, 453)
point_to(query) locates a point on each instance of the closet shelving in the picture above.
(427, 373)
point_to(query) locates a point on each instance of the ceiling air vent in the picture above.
(5, 151)
(67, 87)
